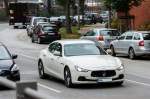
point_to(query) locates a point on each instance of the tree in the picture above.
(6, 6)
(122, 5)
(66, 4)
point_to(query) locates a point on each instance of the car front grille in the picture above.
(103, 73)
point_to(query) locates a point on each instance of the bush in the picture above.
(73, 35)
(145, 26)
(115, 23)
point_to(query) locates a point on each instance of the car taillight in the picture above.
(141, 43)
(100, 38)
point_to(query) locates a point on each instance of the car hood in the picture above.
(96, 62)
(5, 64)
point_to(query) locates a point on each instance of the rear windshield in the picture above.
(146, 36)
(49, 29)
(109, 33)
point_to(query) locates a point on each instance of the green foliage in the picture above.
(122, 5)
(73, 35)
(115, 23)
(145, 26)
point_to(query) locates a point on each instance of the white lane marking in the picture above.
(140, 83)
(27, 56)
(49, 88)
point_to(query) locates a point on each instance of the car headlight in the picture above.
(120, 68)
(15, 68)
(81, 69)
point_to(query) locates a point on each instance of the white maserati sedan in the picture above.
(79, 62)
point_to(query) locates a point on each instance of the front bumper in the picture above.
(86, 78)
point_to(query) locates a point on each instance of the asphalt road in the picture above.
(136, 86)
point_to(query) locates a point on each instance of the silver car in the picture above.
(101, 36)
(132, 43)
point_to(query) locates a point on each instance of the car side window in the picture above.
(136, 36)
(90, 33)
(122, 37)
(129, 36)
(51, 47)
(58, 48)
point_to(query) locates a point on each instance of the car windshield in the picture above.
(49, 29)
(4, 53)
(109, 33)
(146, 36)
(82, 49)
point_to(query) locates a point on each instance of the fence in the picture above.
(24, 90)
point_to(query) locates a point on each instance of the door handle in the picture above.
(44, 55)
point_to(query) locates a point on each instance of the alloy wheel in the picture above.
(67, 77)
(131, 53)
(41, 70)
(112, 51)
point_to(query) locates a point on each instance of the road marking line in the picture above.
(28, 56)
(49, 88)
(145, 84)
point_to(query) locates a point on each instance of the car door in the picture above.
(49, 57)
(128, 42)
(57, 61)
(118, 44)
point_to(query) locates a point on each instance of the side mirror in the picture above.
(56, 53)
(14, 56)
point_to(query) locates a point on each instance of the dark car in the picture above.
(8, 67)
(45, 33)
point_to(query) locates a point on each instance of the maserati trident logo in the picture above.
(104, 74)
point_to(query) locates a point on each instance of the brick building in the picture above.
(141, 13)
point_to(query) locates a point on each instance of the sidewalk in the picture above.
(88, 27)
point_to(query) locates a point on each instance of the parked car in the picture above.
(101, 36)
(45, 33)
(33, 22)
(8, 67)
(79, 62)
(132, 43)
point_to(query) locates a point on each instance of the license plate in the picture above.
(104, 80)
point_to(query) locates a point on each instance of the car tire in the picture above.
(67, 78)
(41, 70)
(119, 83)
(131, 53)
(112, 51)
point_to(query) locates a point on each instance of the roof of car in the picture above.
(141, 31)
(104, 29)
(74, 41)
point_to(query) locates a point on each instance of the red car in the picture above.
(45, 33)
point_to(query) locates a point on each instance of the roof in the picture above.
(74, 41)
(141, 31)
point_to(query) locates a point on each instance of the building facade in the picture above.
(141, 13)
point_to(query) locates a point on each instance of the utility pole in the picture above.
(78, 10)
